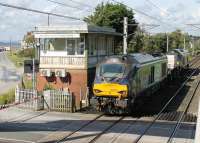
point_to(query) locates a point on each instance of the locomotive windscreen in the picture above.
(112, 70)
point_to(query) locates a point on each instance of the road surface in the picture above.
(9, 74)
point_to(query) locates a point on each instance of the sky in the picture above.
(168, 14)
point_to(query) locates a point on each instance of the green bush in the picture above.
(8, 97)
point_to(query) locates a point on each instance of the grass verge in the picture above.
(16, 59)
(18, 56)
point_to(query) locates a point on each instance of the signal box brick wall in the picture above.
(75, 80)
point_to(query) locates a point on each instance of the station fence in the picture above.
(58, 100)
(51, 100)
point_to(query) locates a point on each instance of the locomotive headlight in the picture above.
(97, 91)
(123, 93)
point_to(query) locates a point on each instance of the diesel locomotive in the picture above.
(120, 80)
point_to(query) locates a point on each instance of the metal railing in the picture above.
(28, 98)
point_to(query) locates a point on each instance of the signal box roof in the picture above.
(75, 29)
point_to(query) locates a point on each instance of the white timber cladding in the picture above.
(45, 35)
(55, 59)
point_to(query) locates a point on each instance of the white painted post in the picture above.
(17, 97)
(125, 36)
(87, 97)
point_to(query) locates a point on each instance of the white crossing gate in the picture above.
(58, 100)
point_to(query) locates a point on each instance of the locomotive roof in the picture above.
(137, 58)
(181, 51)
(145, 58)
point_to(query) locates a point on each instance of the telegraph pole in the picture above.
(184, 42)
(167, 43)
(125, 35)
(33, 73)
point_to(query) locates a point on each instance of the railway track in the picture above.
(85, 125)
(181, 116)
(101, 119)
(108, 128)
(184, 112)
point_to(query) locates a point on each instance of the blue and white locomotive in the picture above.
(120, 80)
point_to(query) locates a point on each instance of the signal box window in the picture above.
(80, 46)
(71, 45)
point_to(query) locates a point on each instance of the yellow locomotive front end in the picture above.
(115, 90)
(111, 86)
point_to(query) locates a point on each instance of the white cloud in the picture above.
(3, 26)
(15, 22)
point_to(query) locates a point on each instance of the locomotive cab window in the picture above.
(112, 70)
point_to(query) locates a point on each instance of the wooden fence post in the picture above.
(80, 98)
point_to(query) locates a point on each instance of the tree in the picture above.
(137, 42)
(29, 39)
(30, 43)
(112, 15)
(176, 39)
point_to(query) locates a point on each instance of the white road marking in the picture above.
(15, 140)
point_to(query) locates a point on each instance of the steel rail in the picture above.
(65, 138)
(130, 124)
(179, 122)
(105, 130)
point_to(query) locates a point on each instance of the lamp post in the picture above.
(36, 56)
(37, 53)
